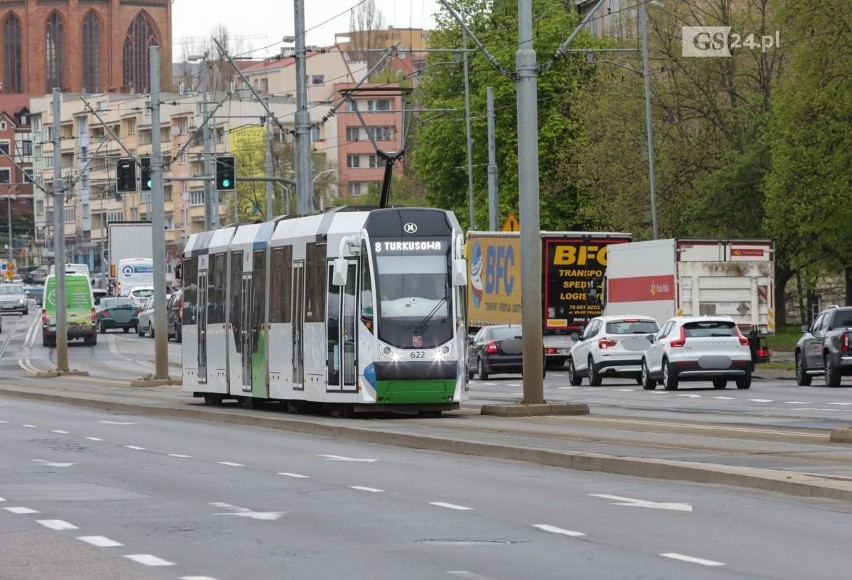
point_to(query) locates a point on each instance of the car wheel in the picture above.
(573, 377)
(480, 370)
(744, 382)
(648, 383)
(102, 328)
(802, 377)
(669, 377)
(126, 329)
(139, 331)
(720, 382)
(832, 374)
(151, 330)
(178, 335)
(595, 378)
(26, 311)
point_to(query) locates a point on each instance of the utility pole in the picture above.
(211, 212)
(268, 142)
(304, 187)
(492, 162)
(59, 240)
(649, 124)
(158, 250)
(469, 136)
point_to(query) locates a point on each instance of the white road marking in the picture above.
(94, 438)
(567, 388)
(134, 447)
(630, 502)
(625, 390)
(370, 489)
(106, 422)
(450, 506)
(246, 513)
(762, 400)
(690, 396)
(149, 560)
(230, 463)
(20, 510)
(342, 458)
(180, 455)
(57, 525)
(554, 530)
(30, 426)
(3, 421)
(840, 403)
(2, 499)
(196, 578)
(296, 475)
(800, 402)
(52, 464)
(100, 541)
(692, 560)
(60, 432)
(726, 398)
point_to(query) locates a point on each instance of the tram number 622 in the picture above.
(417, 354)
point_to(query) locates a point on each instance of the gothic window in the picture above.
(91, 54)
(137, 67)
(54, 51)
(12, 56)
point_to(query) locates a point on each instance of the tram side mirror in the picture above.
(459, 273)
(339, 276)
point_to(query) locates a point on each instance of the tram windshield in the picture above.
(415, 303)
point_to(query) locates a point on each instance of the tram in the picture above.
(353, 310)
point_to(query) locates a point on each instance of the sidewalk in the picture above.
(795, 461)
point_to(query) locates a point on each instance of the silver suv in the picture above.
(13, 299)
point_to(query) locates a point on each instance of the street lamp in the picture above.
(314, 180)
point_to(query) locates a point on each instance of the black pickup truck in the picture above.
(826, 347)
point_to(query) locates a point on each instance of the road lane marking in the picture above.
(135, 448)
(450, 506)
(20, 510)
(343, 458)
(554, 530)
(800, 402)
(230, 463)
(296, 475)
(57, 525)
(60, 432)
(840, 403)
(99, 541)
(149, 560)
(180, 455)
(246, 513)
(94, 438)
(726, 398)
(762, 400)
(107, 422)
(691, 559)
(30, 426)
(370, 489)
(52, 464)
(630, 502)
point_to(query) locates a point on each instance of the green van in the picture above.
(80, 309)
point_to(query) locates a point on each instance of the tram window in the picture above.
(190, 292)
(259, 302)
(366, 286)
(236, 289)
(217, 281)
(315, 288)
(279, 286)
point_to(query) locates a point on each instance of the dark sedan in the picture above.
(496, 349)
(35, 293)
(120, 313)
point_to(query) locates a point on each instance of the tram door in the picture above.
(246, 332)
(201, 313)
(340, 326)
(298, 310)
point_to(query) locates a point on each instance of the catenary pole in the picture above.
(305, 187)
(468, 132)
(649, 124)
(59, 240)
(158, 250)
(492, 162)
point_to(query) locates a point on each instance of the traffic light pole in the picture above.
(59, 242)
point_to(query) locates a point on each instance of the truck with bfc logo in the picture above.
(571, 261)
(694, 277)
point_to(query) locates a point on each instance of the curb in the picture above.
(535, 410)
(841, 435)
(787, 482)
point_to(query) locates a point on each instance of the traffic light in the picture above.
(146, 173)
(226, 172)
(125, 175)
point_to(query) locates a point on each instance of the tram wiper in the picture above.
(421, 326)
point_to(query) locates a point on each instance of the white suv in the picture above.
(611, 346)
(697, 348)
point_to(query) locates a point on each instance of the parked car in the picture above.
(13, 299)
(611, 346)
(496, 349)
(697, 348)
(140, 294)
(174, 316)
(35, 293)
(120, 313)
(826, 347)
(146, 317)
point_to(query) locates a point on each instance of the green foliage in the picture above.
(784, 339)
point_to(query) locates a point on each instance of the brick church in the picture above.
(83, 46)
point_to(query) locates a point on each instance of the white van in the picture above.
(133, 272)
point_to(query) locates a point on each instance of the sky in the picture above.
(258, 23)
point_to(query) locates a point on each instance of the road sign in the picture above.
(512, 224)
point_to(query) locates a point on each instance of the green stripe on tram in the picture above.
(402, 391)
(258, 368)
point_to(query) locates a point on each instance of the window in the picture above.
(12, 56)
(135, 66)
(4, 147)
(353, 161)
(39, 207)
(279, 286)
(115, 216)
(4, 176)
(381, 133)
(262, 86)
(376, 161)
(379, 105)
(70, 215)
(317, 79)
(26, 148)
(315, 286)
(196, 197)
(91, 54)
(130, 126)
(54, 52)
(182, 125)
(352, 133)
(316, 134)
(356, 188)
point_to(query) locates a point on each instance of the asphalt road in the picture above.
(98, 494)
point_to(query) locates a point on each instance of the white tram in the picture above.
(354, 310)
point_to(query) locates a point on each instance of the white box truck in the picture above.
(694, 277)
(128, 240)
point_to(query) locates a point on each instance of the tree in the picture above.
(366, 33)
(809, 187)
